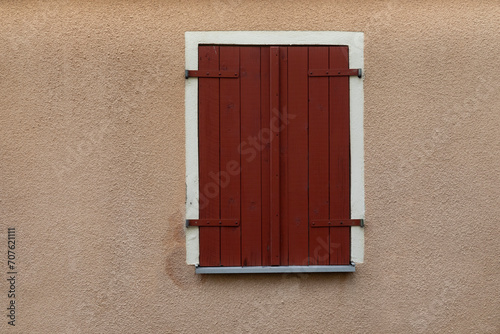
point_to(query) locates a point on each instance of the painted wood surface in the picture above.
(230, 241)
(319, 176)
(339, 157)
(208, 123)
(288, 135)
(251, 182)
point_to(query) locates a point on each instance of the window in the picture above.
(274, 154)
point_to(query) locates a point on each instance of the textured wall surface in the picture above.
(92, 171)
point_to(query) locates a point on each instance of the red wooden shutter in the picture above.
(273, 156)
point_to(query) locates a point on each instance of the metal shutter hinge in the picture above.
(337, 222)
(336, 72)
(210, 74)
(212, 222)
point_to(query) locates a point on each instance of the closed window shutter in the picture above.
(273, 156)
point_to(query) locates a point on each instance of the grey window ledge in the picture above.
(276, 269)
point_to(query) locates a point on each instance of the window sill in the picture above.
(276, 269)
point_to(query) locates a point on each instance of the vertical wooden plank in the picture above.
(284, 156)
(298, 156)
(251, 247)
(208, 123)
(319, 208)
(274, 127)
(229, 154)
(265, 155)
(339, 157)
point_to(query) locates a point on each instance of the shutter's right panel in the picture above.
(339, 157)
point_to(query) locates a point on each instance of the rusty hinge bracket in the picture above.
(337, 222)
(336, 72)
(211, 74)
(212, 222)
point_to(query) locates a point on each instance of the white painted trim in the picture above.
(192, 177)
(355, 41)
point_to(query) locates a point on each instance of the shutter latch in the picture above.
(211, 74)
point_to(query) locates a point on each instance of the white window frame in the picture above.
(355, 42)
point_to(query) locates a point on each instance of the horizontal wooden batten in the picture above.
(211, 74)
(212, 222)
(336, 72)
(336, 222)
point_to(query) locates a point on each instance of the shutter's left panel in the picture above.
(219, 158)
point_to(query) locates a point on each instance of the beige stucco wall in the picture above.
(92, 171)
